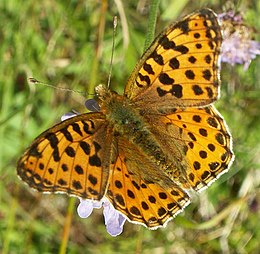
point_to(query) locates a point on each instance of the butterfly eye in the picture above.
(92, 105)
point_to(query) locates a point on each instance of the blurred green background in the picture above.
(68, 44)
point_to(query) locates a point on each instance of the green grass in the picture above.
(56, 42)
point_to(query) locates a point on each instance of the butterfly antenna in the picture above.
(113, 49)
(37, 82)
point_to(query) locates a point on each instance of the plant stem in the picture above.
(151, 23)
(67, 224)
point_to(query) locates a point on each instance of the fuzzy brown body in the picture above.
(129, 121)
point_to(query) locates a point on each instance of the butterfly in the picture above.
(146, 148)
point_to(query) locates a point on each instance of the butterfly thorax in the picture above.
(121, 113)
(128, 121)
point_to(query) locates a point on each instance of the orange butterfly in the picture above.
(145, 148)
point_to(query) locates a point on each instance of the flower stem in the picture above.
(67, 224)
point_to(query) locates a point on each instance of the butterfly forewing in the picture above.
(71, 157)
(181, 67)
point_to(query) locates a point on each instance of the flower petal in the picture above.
(85, 208)
(67, 116)
(114, 221)
(97, 204)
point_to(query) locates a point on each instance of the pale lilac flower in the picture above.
(230, 15)
(238, 46)
(114, 220)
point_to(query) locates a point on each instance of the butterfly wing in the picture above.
(141, 192)
(71, 157)
(181, 68)
(199, 138)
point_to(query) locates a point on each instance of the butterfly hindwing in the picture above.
(71, 157)
(199, 139)
(140, 192)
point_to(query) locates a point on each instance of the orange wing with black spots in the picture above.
(71, 157)
(181, 68)
(199, 138)
(141, 192)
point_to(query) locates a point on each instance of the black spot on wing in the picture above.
(207, 74)
(157, 58)
(197, 90)
(70, 151)
(176, 91)
(144, 78)
(34, 151)
(79, 170)
(56, 154)
(92, 179)
(88, 127)
(148, 68)
(85, 147)
(208, 59)
(51, 137)
(166, 79)
(166, 43)
(190, 74)
(67, 134)
(152, 199)
(174, 63)
(183, 26)
(182, 49)
(94, 160)
(192, 59)
(76, 128)
(77, 185)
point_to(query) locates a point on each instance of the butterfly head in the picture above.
(102, 92)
